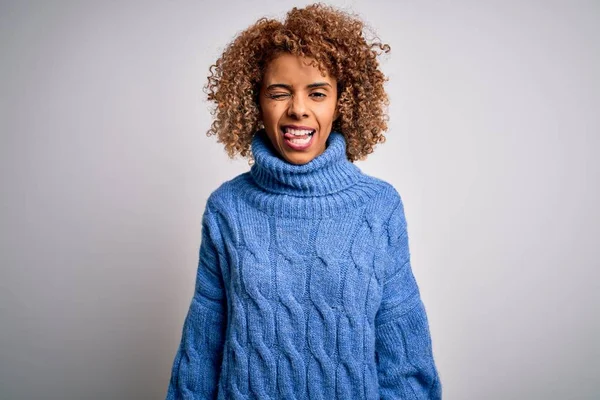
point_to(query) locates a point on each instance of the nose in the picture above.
(297, 107)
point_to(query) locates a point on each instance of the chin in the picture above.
(299, 159)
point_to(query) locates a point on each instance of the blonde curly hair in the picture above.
(334, 40)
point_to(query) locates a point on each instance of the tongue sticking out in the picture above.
(292, 136)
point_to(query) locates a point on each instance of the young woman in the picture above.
(304, 287)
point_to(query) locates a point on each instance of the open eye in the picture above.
(318, 94)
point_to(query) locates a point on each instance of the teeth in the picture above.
(300, 141)
(298, 132)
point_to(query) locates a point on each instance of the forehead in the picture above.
(294, 69)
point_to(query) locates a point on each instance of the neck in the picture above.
(328, 173)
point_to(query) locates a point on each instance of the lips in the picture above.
(298, 127)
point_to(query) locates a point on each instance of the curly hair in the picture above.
(334, 40)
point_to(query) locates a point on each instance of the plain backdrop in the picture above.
(105, 168)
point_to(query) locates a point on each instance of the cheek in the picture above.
(272, 112)
(326, 114)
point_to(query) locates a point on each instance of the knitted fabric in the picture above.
(304, 288)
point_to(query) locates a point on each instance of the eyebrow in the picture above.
(289, 87)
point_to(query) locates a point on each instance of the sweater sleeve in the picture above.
(195, 370)
(405, 364)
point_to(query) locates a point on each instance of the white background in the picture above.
(105, 168)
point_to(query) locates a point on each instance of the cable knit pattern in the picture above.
(304, 288)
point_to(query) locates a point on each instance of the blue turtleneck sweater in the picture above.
(304, 288)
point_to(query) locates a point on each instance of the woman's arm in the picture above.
(405, 364)
(196, 368)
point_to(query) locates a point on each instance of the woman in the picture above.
(304, 287)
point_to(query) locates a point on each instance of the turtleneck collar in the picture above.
(328, 173)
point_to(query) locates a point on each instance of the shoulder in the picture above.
(387, 197)
(391, 207)
(220, 210)
(223, 197)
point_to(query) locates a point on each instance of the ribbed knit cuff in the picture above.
(406, 368)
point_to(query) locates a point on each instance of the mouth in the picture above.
(298, 137)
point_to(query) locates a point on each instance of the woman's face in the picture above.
(298, 106)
